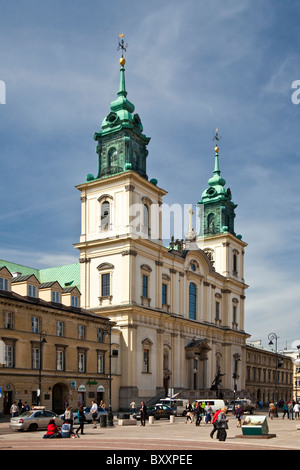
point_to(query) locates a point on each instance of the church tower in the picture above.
(122, 146)
(216, 234)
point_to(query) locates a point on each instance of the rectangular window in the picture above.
(217, 311)
(55, 297)
(74, 301)
(100, 363)
(80, 331)
(105, 280)
(164, 294)
(9, 355)
(59, 328)
(36, 358)
(8, 320)
(100, 334)
(146, 360)
(60, 360)
(3, 283)
(81, 362)
(35, 322)
(145, 286)
(31, 291)
(234, 314)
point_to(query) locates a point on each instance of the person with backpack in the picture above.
(214, 423)
(222, 424)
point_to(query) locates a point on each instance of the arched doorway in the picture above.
(60, 393)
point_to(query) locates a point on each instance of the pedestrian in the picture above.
(198, 413)
(272, 409)
(297, 410)
(68, 416)
(14, 409)
(81, 421)
(94, 413)
(26, 406)
(239, 412)
(69, 419)
(214, 423)
(208, 413)
(291, 409)
(189, 412)
(143, 411)
(285, 411)
(102, 404)
(222, 425)
(132, 407)
(52, 430)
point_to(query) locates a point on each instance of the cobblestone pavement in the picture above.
(160, 436)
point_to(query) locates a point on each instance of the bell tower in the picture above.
(122, 146)
(120, 207)
(216, 235)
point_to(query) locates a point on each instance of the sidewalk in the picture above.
(162, 435)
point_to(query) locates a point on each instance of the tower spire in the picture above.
(122, 146)
(216, 201)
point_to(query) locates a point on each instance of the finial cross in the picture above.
(122, 45)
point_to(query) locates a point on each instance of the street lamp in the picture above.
(42, 341)
(110, 420)
(273, 336)
(235, 376)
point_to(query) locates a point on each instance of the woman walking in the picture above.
(81, 420)
(222, 424)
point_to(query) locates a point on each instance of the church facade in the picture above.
(178, 311)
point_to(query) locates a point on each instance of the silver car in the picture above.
(33, 420)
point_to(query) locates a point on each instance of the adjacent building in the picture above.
(53, 351)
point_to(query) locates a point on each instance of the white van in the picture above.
(177, 404)
(215, 404)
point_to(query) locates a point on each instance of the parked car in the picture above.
(158, 411)
(34, 420)
(247, 405)
(87, 409)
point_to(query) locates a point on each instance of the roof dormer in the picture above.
(27, 286)
(51, 292)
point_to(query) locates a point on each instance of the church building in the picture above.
(179, 310)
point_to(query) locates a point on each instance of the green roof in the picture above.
(67, 276)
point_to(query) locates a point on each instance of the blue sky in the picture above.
(191, 67)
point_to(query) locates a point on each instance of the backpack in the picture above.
(215, 416)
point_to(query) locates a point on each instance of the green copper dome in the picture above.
(217, 208)
(216, 190)
(122, 146)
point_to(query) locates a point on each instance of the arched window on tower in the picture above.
(211, 228)
(192, 301)
(105, 215)
(146, 220)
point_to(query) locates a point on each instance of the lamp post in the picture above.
(110, 420)
(271, 337)
(235, 376)
(42, 341)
